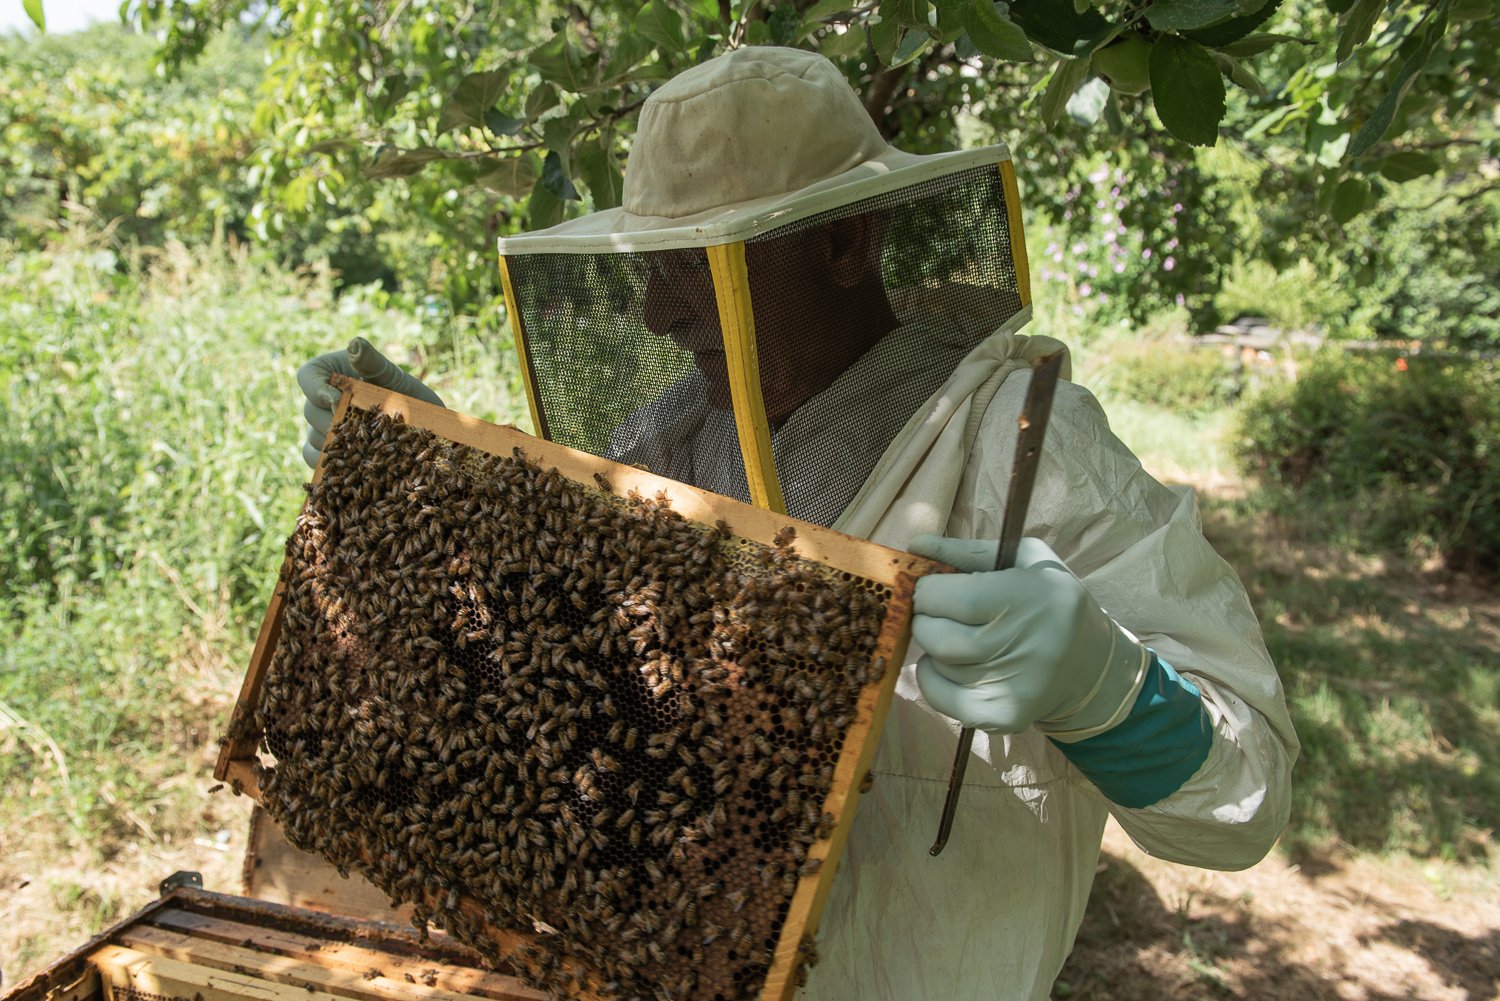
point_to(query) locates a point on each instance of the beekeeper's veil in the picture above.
(779, 294)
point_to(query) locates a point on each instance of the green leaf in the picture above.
(1350, 198)
(475, 94)
(913, 45)
(841, 45)
(1406, 166)
(544, 208)
(556, 180)
(1232, 30)
(1327, 137)
(33, 9)
(1087, 104)
(1355, 27)
(541, 100)
(512, 176)
(1187, 90)
(1236, 71)
(560, 62)
(1254, 45)
(558, 133)
(1183, 15)
(885, 35)
(908, 13)
(662, 25)
(388, 93)
(600, 170)
(631, 51)
(501, 124)
(785, 24)
(403, 162)
(1067, 76)
(994, 34)
(1061, 28)
(824, 8)
(1379, 122)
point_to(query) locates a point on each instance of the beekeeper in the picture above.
(788, 310)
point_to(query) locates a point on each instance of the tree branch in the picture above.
(878, 95)
(1467, 196)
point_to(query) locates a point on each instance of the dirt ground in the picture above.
(1360, 929)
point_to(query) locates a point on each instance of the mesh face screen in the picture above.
(628, 360)
(861, 314)
(581, 713)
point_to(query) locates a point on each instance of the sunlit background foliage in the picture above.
(196, 201)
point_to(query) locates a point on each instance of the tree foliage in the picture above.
(482, 118)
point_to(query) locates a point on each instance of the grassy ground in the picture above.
(1383, 885)
(148, 425)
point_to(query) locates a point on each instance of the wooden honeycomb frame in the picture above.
(894, 570)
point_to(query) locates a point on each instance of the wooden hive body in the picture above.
(192, 945)
(736, 683)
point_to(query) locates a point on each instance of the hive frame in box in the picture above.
(238, 757)
(194, 944)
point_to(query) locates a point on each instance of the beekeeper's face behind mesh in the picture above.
(811, 322)
(779, 293)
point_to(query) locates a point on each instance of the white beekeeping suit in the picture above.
(994, 916)
(886, 405)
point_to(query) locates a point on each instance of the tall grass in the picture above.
(149, 472)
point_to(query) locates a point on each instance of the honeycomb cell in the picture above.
(513, 700)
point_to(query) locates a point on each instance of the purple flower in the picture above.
(1169, 263)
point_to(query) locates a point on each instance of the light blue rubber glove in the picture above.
(359, 360)
(1029, 646)
(1014, 648)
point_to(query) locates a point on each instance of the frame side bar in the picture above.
(1017, 230)
(732, 289)
(523, 350)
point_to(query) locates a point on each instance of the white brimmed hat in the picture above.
(743, 143)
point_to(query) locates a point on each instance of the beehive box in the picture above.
(593, 722)
(192, 945)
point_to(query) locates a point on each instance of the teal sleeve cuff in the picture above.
(1149, 754)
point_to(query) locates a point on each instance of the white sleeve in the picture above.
(1139, 548)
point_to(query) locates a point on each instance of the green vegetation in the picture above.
(172, 249)
(148, 422)
(1407, 448)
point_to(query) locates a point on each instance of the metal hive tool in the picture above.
(600, 725)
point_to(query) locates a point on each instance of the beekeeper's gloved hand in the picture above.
(1030, 646)
(359, 360)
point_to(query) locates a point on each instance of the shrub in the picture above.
(1407, 448)
(1190, 380)
(1425, 266)
(1300, 297)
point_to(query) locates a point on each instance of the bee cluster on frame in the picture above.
(517, 701)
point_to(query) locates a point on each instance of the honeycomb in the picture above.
(516, 701)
